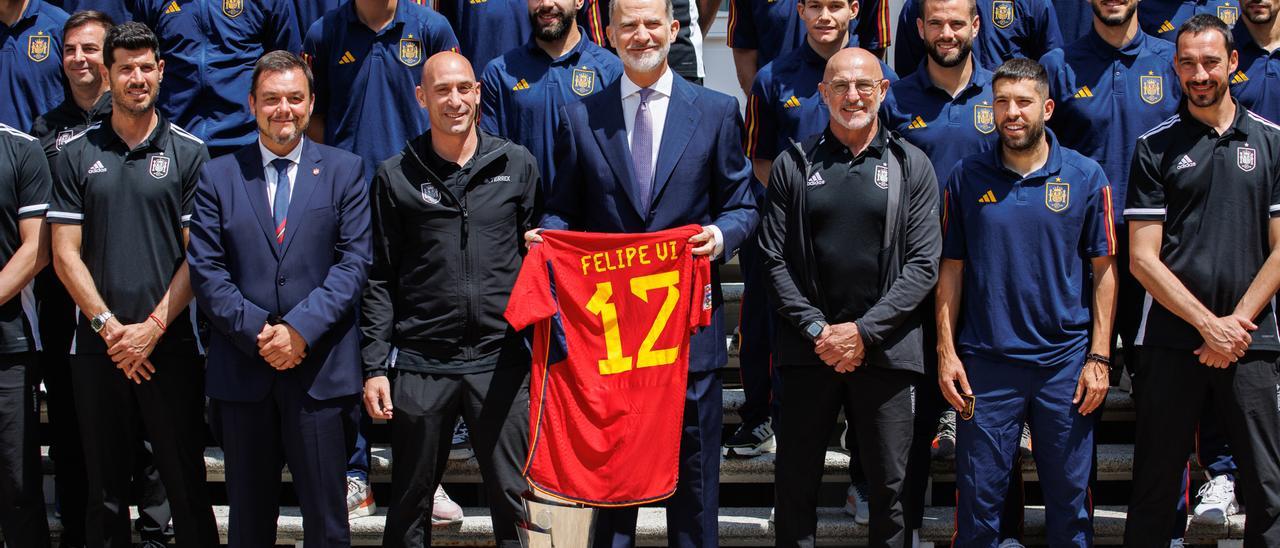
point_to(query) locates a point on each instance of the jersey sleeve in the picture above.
(280, 32)
(1144, 200)
(873, 29)
(531, 300)
(700, 293)
(189, 182)
(33, 180)
(1275, 196)
(760, 127)
(68, 193)
(314, 54)
(1046, 29)
(742, 26)
(908, 51)
(1099, 236)
(442, 36)
(491, 98)
(953, 242)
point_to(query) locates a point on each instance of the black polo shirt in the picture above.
(1216, 195)
(24, 194)
(846, 201)
(132, 206)
(56, 127)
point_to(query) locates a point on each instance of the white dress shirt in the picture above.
(269, 171)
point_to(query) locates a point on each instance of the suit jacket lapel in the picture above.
(682, 120)
(255, 185)
(612, 137)
(304, 185)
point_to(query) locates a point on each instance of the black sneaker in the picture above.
(750, 440)
(944, 444)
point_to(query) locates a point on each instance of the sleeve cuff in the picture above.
(718, 238)
(32, 211)
(64, 217)
(1156, 213)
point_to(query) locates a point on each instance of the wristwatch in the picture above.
(814, 329)
(100, 321)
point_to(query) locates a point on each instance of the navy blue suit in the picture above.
(701, 176)
(243, 279)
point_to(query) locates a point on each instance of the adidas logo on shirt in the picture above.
(97, 168)
(173, 7)
(816, 180)
(988, 198)
(346, 58)
(1166, 27)
(1083, 93)
(1186, 162)
(521, 85)
(1239, 77)
(918, 123)
(791, 103)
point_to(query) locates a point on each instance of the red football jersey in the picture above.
(610, 360)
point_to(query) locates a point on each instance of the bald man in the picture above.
(850, 243)
(448, 214)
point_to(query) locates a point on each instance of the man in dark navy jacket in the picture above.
(280, 250)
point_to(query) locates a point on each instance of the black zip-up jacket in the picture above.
(443, 263)
(909, 251)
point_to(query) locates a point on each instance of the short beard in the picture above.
(1262, 20)
(1035, 133)
(1123, 18)
(557, 29)
(644, 62)
(961, 55)
(1219, 92)
(298, 130)
(118, 100)
(859, 121)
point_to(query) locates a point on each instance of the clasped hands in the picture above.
(281, 346)
(1225, 340)
(840, 346)
(130, 347)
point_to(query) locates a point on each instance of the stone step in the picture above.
(738, 527)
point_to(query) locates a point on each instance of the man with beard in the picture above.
(850, 333)
(651, 152)
(1010, 29)
(487, 29)
(135, 369)
(1256, 83)
(525, 87)
(280, 247)
(448, 214)
(1162, 18)
(1204, 225)
(1028, 249)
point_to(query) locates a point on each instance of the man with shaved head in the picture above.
(448, 214)
(850, 241)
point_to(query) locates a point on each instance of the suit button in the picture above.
(281, 280)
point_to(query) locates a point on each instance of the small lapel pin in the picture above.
(315, 171)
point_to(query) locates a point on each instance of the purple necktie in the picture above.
(642, 149)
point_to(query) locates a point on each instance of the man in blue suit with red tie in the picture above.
(280, 250)
(650, 152)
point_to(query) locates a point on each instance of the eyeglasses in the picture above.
(864, 87)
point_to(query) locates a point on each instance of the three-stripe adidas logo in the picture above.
(1239, 77)
(346, 58)
(1083, 92)
(520, 86)
(1185, 162)
(918, 123)
(1166, 27)
(97, 167)
(791, 103)
(815, 180)
(988, 198)
(173, 7)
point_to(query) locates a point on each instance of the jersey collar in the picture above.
(1246, 45)
(353, 18)
(1242, 124)
(829, 144)
(979, 79)
(1051, 167)
(567, 58)
(158, 140)
(1134, 48)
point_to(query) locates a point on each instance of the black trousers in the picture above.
(1172, 387)
(287, 427)
(495, 405)
(22, 514)
(881, 405)
(168, 412)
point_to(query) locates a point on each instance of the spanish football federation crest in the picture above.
(1246, 158)
(232, 8)
(1151, 88)
(882, 176)
(62, 139)
(984, 118)
(38, 46)
(1228, 14)
(430, 194)
(584, 81)
(1002, 13)
(1057, 195)
(410, 51)
(159, 166)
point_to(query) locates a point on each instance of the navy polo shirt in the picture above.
(1161, 18)
(1026, 243)
(118, 10)
(525, 88)
(785, 104)
(307, 12)
(1008, 29)
(31, 81)
(365, 80)
(1107, 97)
(209, 48)
(1256, 82)
(1075, 19)
(946, 128)
(771, 27)
(486, 29)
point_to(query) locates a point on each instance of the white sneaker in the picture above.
(1176, 543)
(856, 505)
(771, 511)
(1217, 500)
(359, 499)
(443, 510)
(1011, 543)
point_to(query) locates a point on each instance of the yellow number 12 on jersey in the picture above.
(615, 361)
